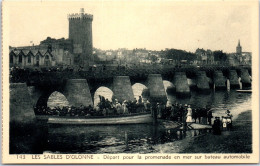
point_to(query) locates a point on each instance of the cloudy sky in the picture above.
(138, 24)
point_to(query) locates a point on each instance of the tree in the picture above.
(220, 56)
(180, 55)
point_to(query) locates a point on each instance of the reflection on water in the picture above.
(112, 139)
(140, 137)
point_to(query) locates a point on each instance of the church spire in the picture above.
(239, 48)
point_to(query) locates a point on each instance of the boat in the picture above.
(138, 118)
(244, 90)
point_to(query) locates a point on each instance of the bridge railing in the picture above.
(31, 75)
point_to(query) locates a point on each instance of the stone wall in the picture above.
(181, 84)
(122, 88)
(245, 78)
(21, 108)
(202, 81)
(156, 88)
(233, 79)
(77, 92)
(219, 80)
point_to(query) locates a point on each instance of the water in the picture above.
(140, 138)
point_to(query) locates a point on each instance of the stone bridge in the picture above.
(79, 87)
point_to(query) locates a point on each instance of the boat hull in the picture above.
(134, 119)
(244, 91)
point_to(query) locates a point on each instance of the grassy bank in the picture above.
(239, 140)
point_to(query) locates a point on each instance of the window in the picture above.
(20, 58)
(29, 58)
(47, 60)
(37, 60)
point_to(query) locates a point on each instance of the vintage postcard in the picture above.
(130, 82)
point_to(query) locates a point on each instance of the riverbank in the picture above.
(239, 140)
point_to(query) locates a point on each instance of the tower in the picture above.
(239, 48)
(80, 33)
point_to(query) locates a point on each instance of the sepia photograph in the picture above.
(130, 82)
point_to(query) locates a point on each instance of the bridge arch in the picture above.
(102, 91)
(140, 90)
(168, 86)
(44, 97)
(57, 99)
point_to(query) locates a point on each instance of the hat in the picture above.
(186, 105)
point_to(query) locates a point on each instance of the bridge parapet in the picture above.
(33, 77)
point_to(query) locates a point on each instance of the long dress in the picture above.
(125, 109)
(189, 115)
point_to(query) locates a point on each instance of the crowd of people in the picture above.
(184, 113)
(225, 123)
(174, 112)
(104, 108)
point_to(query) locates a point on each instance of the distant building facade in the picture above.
(75, 51)
(204, 56)
(240, 57)
(80, 33)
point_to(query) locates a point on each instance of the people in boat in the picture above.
(119, 108)
(105, 108)
(135, 101)
(125, 109)
(158, 110)
(140, 100)
(146, 105)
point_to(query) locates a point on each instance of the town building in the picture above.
(204, 56)
(239, 57)
(77, 50)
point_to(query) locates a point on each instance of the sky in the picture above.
(152, 25)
